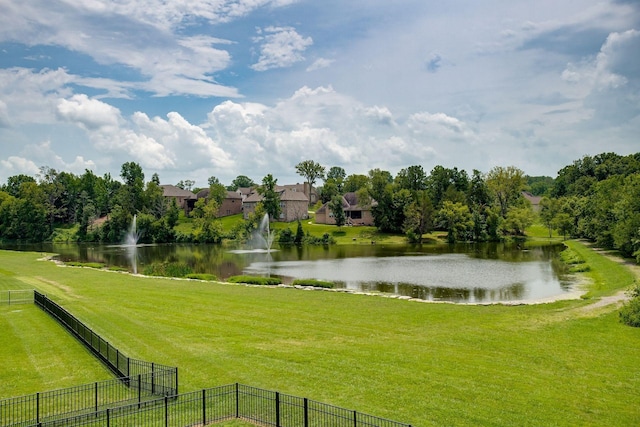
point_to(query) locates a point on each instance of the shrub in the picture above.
(86, 264)
(630, 312)
(168, 269)
(255, 280)
(202, 276)
(313, 282)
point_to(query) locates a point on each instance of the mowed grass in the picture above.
(423, 364)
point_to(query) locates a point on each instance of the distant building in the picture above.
(534, 200)
(355, 214)
(184, 198)
(231, 205)
(294, 204)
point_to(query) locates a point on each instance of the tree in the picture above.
(311, 171)
(241, 181)
(506, 184)
(456, 219)
(270, 197)
(412, 178)
(131, 197)
(549, 209)
(14, 183)
(338, 175)
(418, 217)
(329, 190)
(335, 205)
(355, 182)
(518, 219)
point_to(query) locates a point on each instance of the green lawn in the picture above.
(419, 363)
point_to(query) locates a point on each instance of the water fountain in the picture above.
(131, 239)
(130, 243)
(261, 239)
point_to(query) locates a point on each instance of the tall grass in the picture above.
(420, 363)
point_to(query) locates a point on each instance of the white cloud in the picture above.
(91, 114)
(280, 47)
(320, 63)
(14, 165)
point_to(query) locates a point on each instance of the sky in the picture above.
(191, 89)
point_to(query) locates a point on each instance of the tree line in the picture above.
(596, 197)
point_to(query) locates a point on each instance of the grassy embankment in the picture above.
(424, 364)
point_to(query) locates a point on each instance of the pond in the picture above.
(469, 273)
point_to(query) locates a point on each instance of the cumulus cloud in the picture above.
(4, 115)
(91, 114)
(14, 165)
(280, 47)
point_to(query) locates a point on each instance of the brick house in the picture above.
(354, 213)
(294, 204)
(231, 205)
(184, 198)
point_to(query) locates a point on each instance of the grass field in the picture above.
(419, 363)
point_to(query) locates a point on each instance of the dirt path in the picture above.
(618, 298)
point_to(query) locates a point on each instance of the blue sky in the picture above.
(196, 88)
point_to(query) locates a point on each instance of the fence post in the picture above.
(38, 408)
(166, 411)
(139, 389)
(107, 417)
(277, 409)
(237, 401)
(96, 388)
(306, 412)
(355, 419)
(204, 407)
(153, 376)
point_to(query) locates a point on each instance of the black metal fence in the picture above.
(52, 407)
(21, 296)
(123, 366)
(257, 406)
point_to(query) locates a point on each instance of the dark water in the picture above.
(486, 272)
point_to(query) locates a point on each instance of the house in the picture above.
(534, 200)
(293, 204)
(305, 188)
(231, 205)
(184, 198)
(354, 213)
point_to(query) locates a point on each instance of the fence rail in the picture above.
(20, 296)
(121, 365)
(53, 406)
(208, 406)
(132, 399)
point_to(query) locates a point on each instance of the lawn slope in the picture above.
(419, 363)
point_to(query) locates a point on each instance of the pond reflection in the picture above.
(487, 272)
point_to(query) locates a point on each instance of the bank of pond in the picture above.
(462, 273)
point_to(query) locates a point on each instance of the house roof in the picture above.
(173, 191)
(535, 200)
(349, 203)
(204, 193)
(286, 195)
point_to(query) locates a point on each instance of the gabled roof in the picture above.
(286, 195)
(173, 191)
(204, 193)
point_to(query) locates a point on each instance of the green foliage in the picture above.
(285, 237)
(299, 237)
(337, 209)
(630, 312)
(313, 283)
(168, 269)
(270, 197)
(255, 280)
(202, 276)
(86, 264)
(574, 260)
